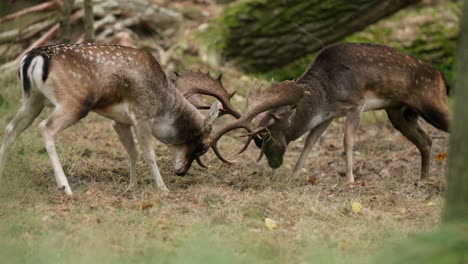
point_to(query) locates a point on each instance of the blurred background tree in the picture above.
(88, 21)
(67, 7)
(456, 202)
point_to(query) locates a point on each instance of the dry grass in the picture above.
(214, 214)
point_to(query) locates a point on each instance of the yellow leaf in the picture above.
(356, 207)
(441, 156)
(146, 205)
(271, 224)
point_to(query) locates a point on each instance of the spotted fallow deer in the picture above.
(343, 81)
(124, 84)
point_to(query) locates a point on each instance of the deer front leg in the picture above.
(144, 136)
(60, 119)
(29, 110)
(126, 138)
(312, 137)
(352, 123)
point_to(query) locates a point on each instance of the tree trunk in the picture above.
(261, 35)
(65, 21)
(88, 21)
(456, 202)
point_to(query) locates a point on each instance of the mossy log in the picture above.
(261, 35)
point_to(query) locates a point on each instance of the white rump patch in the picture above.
(373, 103)
(35, 72)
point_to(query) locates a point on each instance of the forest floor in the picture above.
(218, 214)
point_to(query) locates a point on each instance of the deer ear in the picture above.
(173, 76)
(212, 115)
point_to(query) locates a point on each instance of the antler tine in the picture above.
(240, 123)
(256, 86)
(223, 98)
(288, 94)
(191, 83)
(246, 145)
(201, 163)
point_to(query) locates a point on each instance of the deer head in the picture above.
(193, 85)
(185, 154)
(272, 106)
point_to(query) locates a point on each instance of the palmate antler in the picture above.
(259, 101)
(194, 84)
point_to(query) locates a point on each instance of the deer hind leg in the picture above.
(126, 138)
(62, 117)
(406, 121)
(29, 110)
(312, 137)
(144, 136)
(353, 118)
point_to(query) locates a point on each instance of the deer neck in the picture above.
(310, 111)
(180, 123)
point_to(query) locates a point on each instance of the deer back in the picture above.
(93, 75)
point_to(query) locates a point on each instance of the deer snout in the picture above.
(181, 168)
(180, 172)
(275, 163)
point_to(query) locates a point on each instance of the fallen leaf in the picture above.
(431, 203)
(356, 207)
(271, 224)
(359, 183)
(312, 181)
(146, 205)
(441, 156)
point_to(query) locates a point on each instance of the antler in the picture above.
(259, 101)
(192, 84)
(197, 101)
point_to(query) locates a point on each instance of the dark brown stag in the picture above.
(345, 80)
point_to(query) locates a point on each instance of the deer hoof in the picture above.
(164, 191)
(130, 186)
(66, 190)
